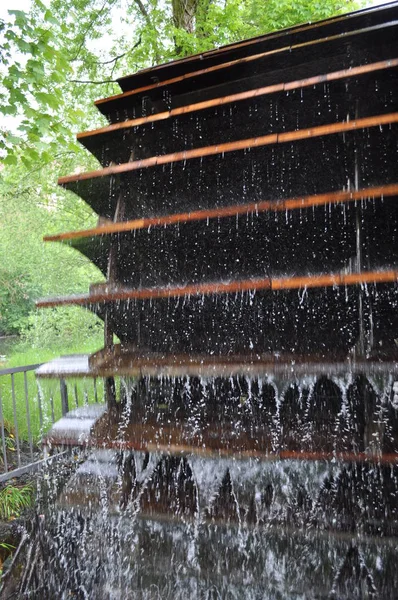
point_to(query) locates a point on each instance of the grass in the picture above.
(44, 394)
(14, 500)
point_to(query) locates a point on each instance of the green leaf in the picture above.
(20, 16)
(49, 18)
(9, 110)
(50, 100)
(24, 46)
(10, 159)
(13, 139)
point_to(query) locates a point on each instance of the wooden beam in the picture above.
(132, 363)
(243, 61)
(111, 294)
(181, 449)
(128, 361)
(256, 142)
(256, 93)
(280, 205)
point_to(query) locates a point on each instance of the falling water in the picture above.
(124, 523)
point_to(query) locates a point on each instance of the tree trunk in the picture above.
(184, 12)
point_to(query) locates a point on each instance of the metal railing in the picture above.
(27, 412)
(12, 372)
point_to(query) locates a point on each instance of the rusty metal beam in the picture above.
(256, 93)
(256, 142)
(105, 293)
(230, 211)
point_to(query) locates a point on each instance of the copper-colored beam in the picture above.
(230, 211)
(256, 93)
(285, 283)
(179, 449)
(336, 279)
(264, 140)
(134, 364)
(241, 61)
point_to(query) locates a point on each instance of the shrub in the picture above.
(13, 500)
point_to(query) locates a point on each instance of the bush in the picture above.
(62, 327)
(16, 293)
(13, 500)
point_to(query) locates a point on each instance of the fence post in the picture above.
(3, 435)
(16, 429)
(64, 397)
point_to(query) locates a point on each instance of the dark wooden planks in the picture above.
(272, 243)
(323, 321)
(229, 211)
(109, 293)
(282, 64)
(274, 109)
(301, 33)
(244, 144)
(316, 165)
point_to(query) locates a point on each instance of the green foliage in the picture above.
(14, 500)
(62, 327)
(16, 300)
(56, 59)
(33, 66)
(31, 205)
(5, 546)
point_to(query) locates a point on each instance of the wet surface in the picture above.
(249, 447)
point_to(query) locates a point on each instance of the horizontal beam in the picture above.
(230, 211)
(127, 362)
(181, 449)
(256, 142)
(24, 369)
(256, 93)
(243, 61)
(106, 293)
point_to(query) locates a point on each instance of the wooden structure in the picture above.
(248, 235)
(247, 203)
(248, 221)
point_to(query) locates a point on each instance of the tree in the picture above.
(31, 204)
(55, 60)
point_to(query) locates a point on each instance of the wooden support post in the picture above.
(110, 392)
(64, 397)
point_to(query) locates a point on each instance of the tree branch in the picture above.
(149, 23)
(114, 60)
(90, 25)
(93, 82)
(144, 12)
